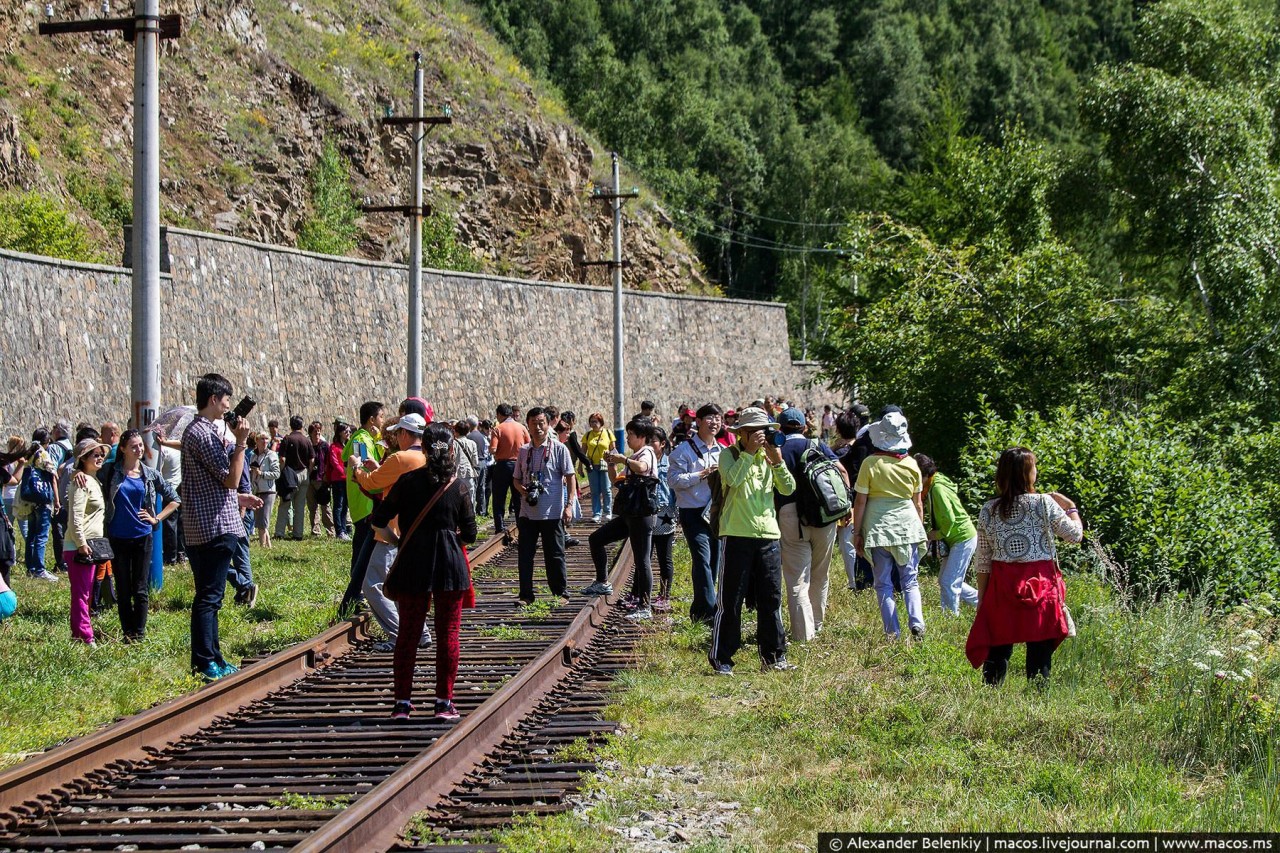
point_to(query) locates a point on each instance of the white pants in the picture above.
(806, 571)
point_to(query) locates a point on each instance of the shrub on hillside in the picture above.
(30, 222)
(1172, 512)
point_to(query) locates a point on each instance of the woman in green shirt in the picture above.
(948, 523)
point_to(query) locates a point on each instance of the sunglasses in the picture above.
(101, 454)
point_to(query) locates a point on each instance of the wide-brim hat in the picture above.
(890, 433)
(753, 418)
(89, 445)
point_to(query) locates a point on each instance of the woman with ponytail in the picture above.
(436, 515)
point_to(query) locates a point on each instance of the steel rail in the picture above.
(375, 821)
(26, 789)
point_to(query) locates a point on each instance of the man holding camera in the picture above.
(750, 470)
(212, 523)
(545, 480)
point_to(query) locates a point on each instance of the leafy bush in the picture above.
(330, 226)
(109, 200)
(440, 246)
(30, 222)
(1173, 513)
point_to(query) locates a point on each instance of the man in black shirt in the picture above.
(296, 456)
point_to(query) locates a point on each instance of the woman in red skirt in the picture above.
(1021, 594)
(435, 516)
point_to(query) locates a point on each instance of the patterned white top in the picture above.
(1027, 535)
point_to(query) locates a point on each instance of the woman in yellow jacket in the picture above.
(596, 444)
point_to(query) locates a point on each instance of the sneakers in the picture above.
(250, 595)
(779, 665)
(385, 646)
(631, 602)
(570, 541)
(597, 588)
(446, 711)
(43, 575)
(721, 668)
(661, 604)
(917, 632)
(640, 614)
(426, 639)
(595, 519)
(211, 672)
(402, 710)
(226, 669)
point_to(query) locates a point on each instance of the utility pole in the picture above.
(615, 200)
(145, 29)
(415, 212)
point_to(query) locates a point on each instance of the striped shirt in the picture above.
(209, 509)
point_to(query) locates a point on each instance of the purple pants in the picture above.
(81, 577)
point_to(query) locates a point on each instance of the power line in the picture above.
(754, 242)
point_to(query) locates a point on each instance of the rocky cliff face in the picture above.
(251, 93)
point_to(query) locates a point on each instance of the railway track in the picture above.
(298, 750)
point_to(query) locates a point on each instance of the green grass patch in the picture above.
(306, 802)
(506, 632)
(1159, 716)
(53, 688)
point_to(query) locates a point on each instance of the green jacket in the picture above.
(946, 514)
(748, 482)
(357, 503)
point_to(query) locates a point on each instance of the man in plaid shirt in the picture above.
(212, 523)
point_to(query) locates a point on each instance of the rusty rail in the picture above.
(135, 738)
(374, 822)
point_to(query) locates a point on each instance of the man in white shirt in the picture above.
(691, 463)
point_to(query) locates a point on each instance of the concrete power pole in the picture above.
(145, 29)
(615, 200)
(419, 124)
(144, 372)
(414, 379)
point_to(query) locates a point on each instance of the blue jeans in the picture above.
(340, 522)
(951, 576)
(240, 575)
(482, 489)
(882, 565)
(705, 556)
(210, 563)
(37, 538)
(502, 473)
(601, 491)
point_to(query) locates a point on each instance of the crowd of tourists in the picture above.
(766, 495)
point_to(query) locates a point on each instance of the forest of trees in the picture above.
(1052, 222)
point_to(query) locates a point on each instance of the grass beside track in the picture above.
(53, 687)
(1159, 717)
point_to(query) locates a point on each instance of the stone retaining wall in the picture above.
(317, 335)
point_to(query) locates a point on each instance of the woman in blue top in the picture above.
(131, 521)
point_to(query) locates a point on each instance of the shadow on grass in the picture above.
(262, 613)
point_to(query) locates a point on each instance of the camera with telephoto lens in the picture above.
(533, 491)
(242, 410)
(772, 436)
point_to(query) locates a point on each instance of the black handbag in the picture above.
(637, 496)
(99, 552)
(287, 484)
(324, 494)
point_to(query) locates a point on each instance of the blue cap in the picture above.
(791, 417)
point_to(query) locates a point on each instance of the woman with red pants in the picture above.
(431, 515)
